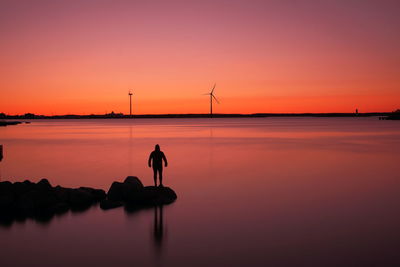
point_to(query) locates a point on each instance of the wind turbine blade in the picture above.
(206, 94)
(215, 99)
(213, 88)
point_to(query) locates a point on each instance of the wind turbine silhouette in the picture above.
(130, 103)
(211, 94)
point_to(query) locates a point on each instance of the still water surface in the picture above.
(251, 192)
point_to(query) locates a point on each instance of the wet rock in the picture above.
(107, 204)
(7, 200)
(115, 192)
(62, 193)
(41, 201)
(97, 194)
(131, 186)
(124, 191)
(21, 188)
(132, 193)
(5, 186)
(80, 198)
(5, 123)
(133, 182)
(60, 207)
(153, 195)
(44, 184)
(21, 200)
(37, 203)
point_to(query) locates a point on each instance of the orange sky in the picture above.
(82, 57)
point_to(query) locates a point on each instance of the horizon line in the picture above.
(122, 115)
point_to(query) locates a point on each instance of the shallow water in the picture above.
(251, 192)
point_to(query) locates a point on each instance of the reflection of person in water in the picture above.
(157, 156)
(158, 225)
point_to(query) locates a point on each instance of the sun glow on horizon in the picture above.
(266, 57)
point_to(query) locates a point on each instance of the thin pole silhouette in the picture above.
(130, 103)
(211, 94)
(211, 105)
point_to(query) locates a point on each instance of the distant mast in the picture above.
(356, 111)
(130, 103)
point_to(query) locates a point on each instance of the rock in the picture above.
(134, 182)
(131, 186)
(21, 188)
(5, 123)
(44, 184)
(80, 198)
(125, 191)
(107, 204)
(60, 207)
(6, 186)
(133, 194)
(115, 192)
(7, 200)
(27, 182)
(97, 194)
(62, 193)
(37, 203)
(41, 201)
(152, 195)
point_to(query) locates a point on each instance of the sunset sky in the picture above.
(82, 57)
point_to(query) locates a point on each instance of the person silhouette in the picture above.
(157, 156)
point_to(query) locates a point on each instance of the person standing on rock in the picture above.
(157, 156)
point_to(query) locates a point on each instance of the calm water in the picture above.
(251, 192)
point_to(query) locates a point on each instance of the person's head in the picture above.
(157, 147)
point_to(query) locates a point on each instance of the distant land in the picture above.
(113, 115)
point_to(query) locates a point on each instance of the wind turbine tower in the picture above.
(211, 94)
(130, 103)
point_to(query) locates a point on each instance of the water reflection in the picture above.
(302, 183)
(130, 161)
(1, 158)
(158, 231)
(7, 219)
(158, 228)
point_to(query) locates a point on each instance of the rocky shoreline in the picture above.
(5, 123)
(41, 201)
